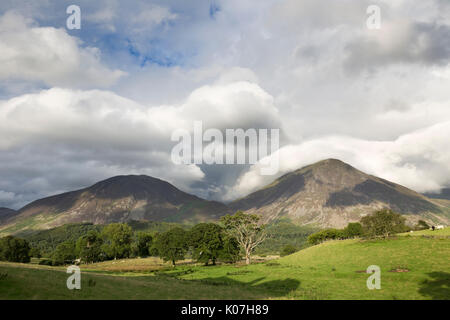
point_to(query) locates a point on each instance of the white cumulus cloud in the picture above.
(49, 55)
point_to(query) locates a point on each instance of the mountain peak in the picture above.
(121, 198)
(137, 186)
(327, 164)
(131, 177)
(330, 161)
(332, 193)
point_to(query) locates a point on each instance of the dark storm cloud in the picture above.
(400, 43)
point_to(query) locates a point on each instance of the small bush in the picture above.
(327, 234)
(46, 262)
(287, 250)
(422, 225)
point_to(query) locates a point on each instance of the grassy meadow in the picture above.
(412, 267)
(436, 233)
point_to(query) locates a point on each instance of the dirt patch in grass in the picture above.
(399, 270)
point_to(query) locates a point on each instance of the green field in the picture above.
(436, 233)
(412, 267)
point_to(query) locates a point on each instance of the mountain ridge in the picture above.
(443, 194)
(118, 199)
(328, 193)
(6, 213)
(331, 193)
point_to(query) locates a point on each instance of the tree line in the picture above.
(205, 242)
(382, 223)
(234, 237)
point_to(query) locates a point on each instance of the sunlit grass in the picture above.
(332, 270)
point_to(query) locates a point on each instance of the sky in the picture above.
(79, 106)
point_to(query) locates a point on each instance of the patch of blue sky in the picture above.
(155, 53)
(171, 43)
(13, 87)
(213, 9)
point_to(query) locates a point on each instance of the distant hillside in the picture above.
(444, 194)
(331, 193)
(283, 232)
(6, 213)
(48, 240)
(118, 199)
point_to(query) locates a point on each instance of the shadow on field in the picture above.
(272, 288)
(438, 288)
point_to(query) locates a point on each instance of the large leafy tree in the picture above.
(383, 223)
(353, 229)
(89, 247)
(14, 249)
(172, 245)
(64, 253)
(207, 241)
(231, 250)
(246, 229)
(35, 253)
(142, 244)
(117, 239)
